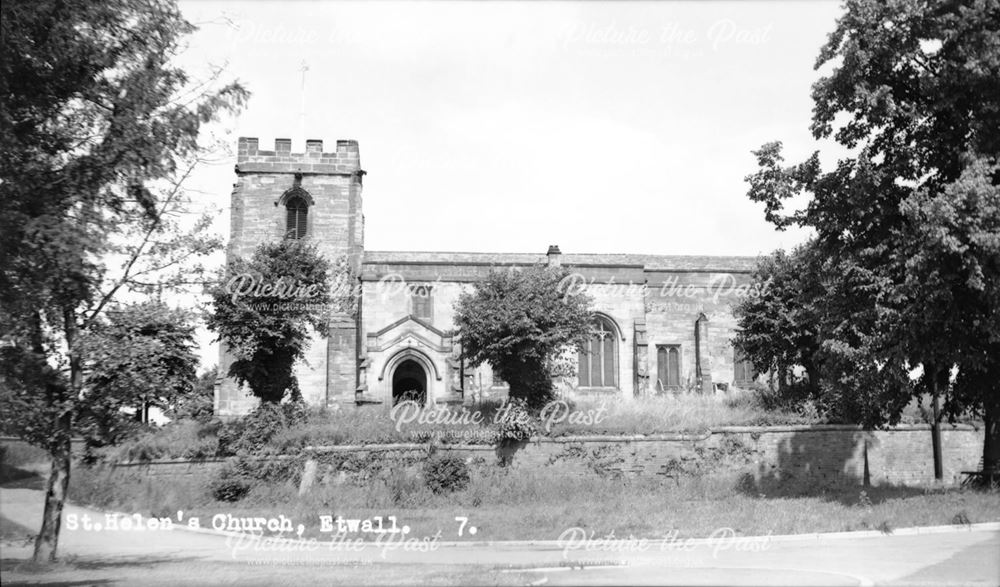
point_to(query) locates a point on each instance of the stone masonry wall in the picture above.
(674, 301)
(763, 458)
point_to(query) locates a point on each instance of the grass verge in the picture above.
(521, 504)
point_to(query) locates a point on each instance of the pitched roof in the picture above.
(649, 262)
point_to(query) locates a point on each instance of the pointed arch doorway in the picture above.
(409, 382)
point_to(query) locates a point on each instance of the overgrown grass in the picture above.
(100, 487)
(678, 414)
(478, 424)
(186, 439)
(522, 503)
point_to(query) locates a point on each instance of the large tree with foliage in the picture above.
(98, 131)
(908, 222)
(141, 356)
(520, 321)
(138, 356)
(266, 308)
(779, 327)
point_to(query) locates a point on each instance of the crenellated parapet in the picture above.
(345, 160)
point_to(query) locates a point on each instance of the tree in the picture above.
(778, 330)
(266, 307)
(809, 316)
(909, 220)
(199, 404)
(952, 288)
(141, 356)
(98, 133)
(520, 322)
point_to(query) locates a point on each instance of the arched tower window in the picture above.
(598, 365)
(295, 223)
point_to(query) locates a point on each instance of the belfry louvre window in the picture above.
(668, 367)
(598, 365)
(295, 222)
(421, 302)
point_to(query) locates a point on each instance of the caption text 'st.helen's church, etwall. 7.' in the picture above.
(663, 322)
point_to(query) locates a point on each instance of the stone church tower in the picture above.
(314, 195)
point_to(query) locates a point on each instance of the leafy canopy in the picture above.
(907, 224)
(142, 355)
(520, 321)
(265, 309)
(98, 131)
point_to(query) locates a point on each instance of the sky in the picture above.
(601, 127)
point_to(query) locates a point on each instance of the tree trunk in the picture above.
(936, 439)
(991, 438)
(936, 427)
(60, 447)
(55, 496)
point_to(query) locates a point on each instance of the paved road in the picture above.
(964, 557)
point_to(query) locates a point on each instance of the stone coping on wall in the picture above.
(639, 437)
(683, 436)
(206, 461)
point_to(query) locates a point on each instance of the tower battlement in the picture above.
(346, 160)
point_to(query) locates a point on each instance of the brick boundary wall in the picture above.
(761, 456)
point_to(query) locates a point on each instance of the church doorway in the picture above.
(409, 382)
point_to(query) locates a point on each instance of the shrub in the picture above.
(517, 424)
(230, 489)
(446, 473)
(405, 489)
(252, 434)
(232, 483)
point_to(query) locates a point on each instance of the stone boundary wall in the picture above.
(762, 457)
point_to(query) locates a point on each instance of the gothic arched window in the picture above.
(295, 224)
(599, 361)
(668, 366)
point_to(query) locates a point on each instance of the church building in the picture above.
(663, 323)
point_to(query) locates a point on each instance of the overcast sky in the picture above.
(603, 127)
(509, 126)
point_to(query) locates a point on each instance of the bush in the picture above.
(252, 434)
(405, 489)
(446, 473)
(788, 398)
(230, 489)
(517, 424)
(232, 483)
